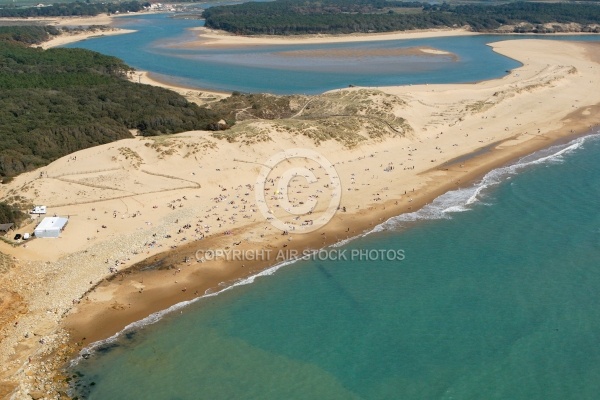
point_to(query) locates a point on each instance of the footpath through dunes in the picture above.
(166, 197)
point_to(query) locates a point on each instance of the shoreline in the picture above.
(500, 155)
(65, 21)
(130, 296)
(63, 38)
(193, 94)
(208, 37)
(362, 223)
(480, 166)
(217, 38)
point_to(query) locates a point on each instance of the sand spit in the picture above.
(66, 38)
(101, 21)
(153, 202)
(217, 38)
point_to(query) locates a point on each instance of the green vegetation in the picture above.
(10, 213)
(75, 8)
(349, 117)
(240, 107)
(27, 34)
(290, 17)
(54, 102)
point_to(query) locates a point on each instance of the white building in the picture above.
(50, 227)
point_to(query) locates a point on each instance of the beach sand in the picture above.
(152, 203)
(207, 37)
(66, 38)
(100, 19)
(198, 96)
(215, 38)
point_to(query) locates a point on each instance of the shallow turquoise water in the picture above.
(497, 300)
(267, 69)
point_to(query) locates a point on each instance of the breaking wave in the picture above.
(463, 199)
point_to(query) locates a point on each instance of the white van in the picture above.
(26, 236)
(38, 210)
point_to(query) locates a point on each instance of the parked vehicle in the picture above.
(17, 236)
(38, 210)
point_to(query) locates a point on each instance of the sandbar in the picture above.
(207, 37)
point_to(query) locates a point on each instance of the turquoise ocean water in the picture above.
(496, 298)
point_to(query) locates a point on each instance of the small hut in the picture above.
(4, 228)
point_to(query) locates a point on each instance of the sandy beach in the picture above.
(140, 209)
(207, 37)
(198, 96)
(102, 21)
(214, 38)
(67, 38)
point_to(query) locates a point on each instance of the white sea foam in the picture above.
(461, 200)
(442, 207)
(157, 316)
(346, 241)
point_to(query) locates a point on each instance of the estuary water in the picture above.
(271, 69)
(496, 295)
(285, 70)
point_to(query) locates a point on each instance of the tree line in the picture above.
(77, 8)
(30, 34)
(10, 213)
(291, 17)
(57, 101)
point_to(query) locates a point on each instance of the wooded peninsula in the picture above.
(76, 8)
(299, 17)
(57, 101)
